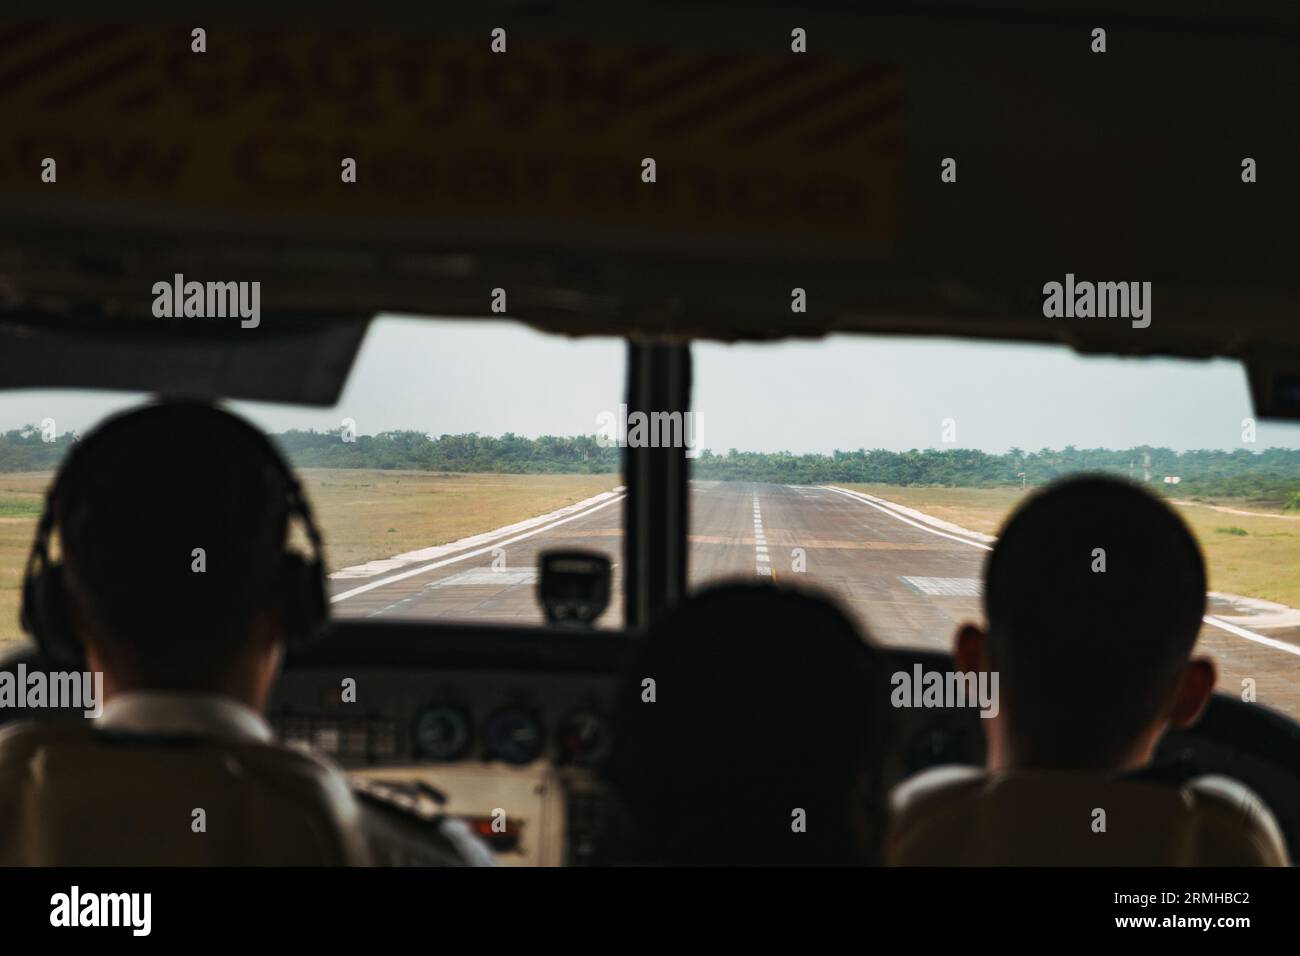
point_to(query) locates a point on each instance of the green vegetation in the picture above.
(1233, 530)
(411, 450)
(23, 450)
(1269, 478)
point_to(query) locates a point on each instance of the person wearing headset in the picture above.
(175, 582)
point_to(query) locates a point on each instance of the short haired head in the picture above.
(767, 700)
(1094, 595)
(172, 523)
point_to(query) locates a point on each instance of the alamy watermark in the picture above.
(650, 430)
(922, 688)
(133, 911)
(1102, 300)
(208, 300)
(59, 690)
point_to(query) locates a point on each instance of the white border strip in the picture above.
(1252, 636)
(343, 596)
(384, 565)
(894, 514)
(1209, 619)
(931, 520)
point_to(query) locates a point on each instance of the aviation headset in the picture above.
(302, 588)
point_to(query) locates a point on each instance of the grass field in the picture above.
(1263, 562)
(978, 509)
(363, 514)
(21, 497)
(1272, 504)
(367, 514)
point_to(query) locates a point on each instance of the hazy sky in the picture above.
(846, 392)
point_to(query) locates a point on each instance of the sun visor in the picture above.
(293, 359)
(1275, 385)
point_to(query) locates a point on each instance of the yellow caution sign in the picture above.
(548, 140)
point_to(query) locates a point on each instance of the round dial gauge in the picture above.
(443, 732)
(513, 735)
(583, 737)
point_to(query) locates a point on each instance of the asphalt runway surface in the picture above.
(907, 581)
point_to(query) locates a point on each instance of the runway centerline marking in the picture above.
(762, 562)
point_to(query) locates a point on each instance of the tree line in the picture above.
(1270, 473)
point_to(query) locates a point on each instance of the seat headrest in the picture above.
(72, 796)
(965, 816)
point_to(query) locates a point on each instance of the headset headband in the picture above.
(68, 471)
(42, 583)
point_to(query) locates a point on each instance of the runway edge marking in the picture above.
(486, 549)
(1232, 629)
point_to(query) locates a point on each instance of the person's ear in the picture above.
(1193, 692)
(970, 649)
(268, 643)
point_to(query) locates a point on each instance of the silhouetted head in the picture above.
(172, 524)
(1094, 595)
(762, 745)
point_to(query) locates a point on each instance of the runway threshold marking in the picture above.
(1233, 629)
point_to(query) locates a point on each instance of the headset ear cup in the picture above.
(45, 616)
(304, 605)
(29, 615)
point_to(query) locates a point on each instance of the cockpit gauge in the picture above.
(583, 737)
(513, 735)
(443, 732)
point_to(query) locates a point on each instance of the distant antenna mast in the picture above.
(1146, 464)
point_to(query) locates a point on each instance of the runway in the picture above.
(908, 581)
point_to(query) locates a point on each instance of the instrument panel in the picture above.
(377, 718)
(514, 755)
